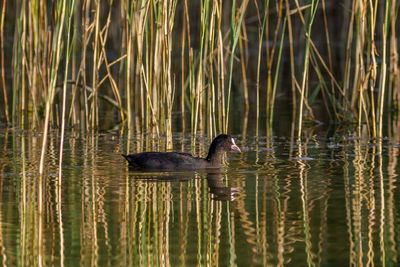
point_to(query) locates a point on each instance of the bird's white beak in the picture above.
(234, 146)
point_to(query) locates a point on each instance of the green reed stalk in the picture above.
(313, 10)
(156, 73)
(235, 34)
(314, 53)
(16, 65)
(271, 112)
(292, 72)
(191, 89)
(185, 27)
(221, 71)
(61, 6)
(349, 48)
(22, 105)
(243, 65)
(359, 56)
(361, 106)
(260, 40)
(211, 129)
(270, 59)
(109, 76)
(138, 23)
(71, 7)
(95, 70)
(31, 61)
(373, 66)
(158, 115)
(335, 83)
(156, 94)
(328, 46)
(3, 79)
(169, 16)
(150, 74)
(322, 87)
(202, 81)
(128, 23)
(200, 74)
(27, 71)
(394, 74)
(216, 84)
(382, 81)
(73, 114)
(87, 32)
(147, 79)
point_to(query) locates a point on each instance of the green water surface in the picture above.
(321, 202)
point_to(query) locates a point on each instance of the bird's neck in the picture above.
(216, 159)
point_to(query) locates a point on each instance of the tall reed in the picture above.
(313, 9)
(71, 9)
(382, 80)
(57, 49)
(140, 91)
(261, 30)
(270, 60)
(3, 80)
(235, 33)
(394, 69)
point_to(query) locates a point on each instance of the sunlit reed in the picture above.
(3, 81)
(312, 12)
(168, 63)
(57, 47)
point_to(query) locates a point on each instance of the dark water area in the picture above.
(320, 202)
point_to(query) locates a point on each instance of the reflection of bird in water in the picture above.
(215, 179)
(218, 187)
(163, 177)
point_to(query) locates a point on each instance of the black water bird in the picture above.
(184, 161)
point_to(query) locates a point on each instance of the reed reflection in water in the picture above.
(318, 202)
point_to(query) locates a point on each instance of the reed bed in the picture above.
(140, 62)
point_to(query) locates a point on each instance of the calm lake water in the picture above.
(323, 202)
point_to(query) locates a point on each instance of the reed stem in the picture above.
(61, 6)
(149, 66)
(260, 35)
(3, 79)
(313, 9)
(274, 88)
(382, 81)
(71, 7)
(235, 33)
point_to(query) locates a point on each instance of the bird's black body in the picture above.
(184, 161)
(164, 160)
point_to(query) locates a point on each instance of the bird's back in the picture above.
(165, 161)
